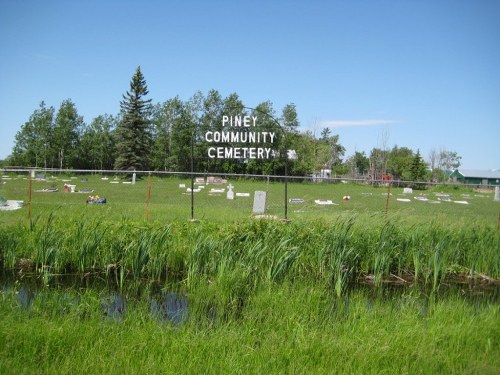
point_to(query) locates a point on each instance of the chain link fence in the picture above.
(167, 196)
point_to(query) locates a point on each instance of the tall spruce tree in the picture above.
(133, 133)
(418, 171)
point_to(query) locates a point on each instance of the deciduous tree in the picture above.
(33, 146)
(399, 161)
(66, 134)
(97, 143)
(358, 163)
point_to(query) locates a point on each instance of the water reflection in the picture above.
(113, 306)
(170, 306)
(90, 295)
(24, 297)
(64, 293)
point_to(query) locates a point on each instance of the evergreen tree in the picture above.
(417, 170)
(133, 135)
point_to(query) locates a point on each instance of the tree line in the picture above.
(170, 136)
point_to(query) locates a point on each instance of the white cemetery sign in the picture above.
(240, 138)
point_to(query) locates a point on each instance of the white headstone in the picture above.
(497, 193)
(230, 192)
(133, 178)
(407, 190)
(259, 202)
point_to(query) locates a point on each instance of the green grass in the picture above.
(264, 296)
(291, 328)
(168, 202)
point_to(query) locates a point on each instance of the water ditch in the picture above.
(68, 292)
(62, 294)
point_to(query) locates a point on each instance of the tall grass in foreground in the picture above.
(286, 328)
(254, 252)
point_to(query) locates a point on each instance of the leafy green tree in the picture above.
(290, 118)
(330, 151)
(33, 146)
(194, 112)
(97, 143)
(294, 142)
(378, 159)
(399, 160)
(449, 160)
(172, 137)
(133, 134)
(182, 136)
(232, 106)
(267, 122)
(211, 120)
(359, 164)
(66, 133)
(162, 117)
(442, 163)
(304, 146)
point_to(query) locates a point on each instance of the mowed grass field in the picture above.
(447, 205)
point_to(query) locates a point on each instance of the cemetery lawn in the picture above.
(168, 202)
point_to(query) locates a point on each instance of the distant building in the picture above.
(476, 177)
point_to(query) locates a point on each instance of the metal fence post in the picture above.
(30, 185)
(192, 176)
(148, 196)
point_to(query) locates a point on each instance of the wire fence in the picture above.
(164, 196)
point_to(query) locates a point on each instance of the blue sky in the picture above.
(423, 74)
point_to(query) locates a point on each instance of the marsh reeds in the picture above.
(263, 252)
(85, 241)
(46, 247)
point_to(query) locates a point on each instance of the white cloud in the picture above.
(351, 123)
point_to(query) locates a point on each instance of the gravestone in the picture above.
(133, 178)
(259, 202)
(497, 193)
(230, 192)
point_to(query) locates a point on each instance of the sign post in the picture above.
(241, 138)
